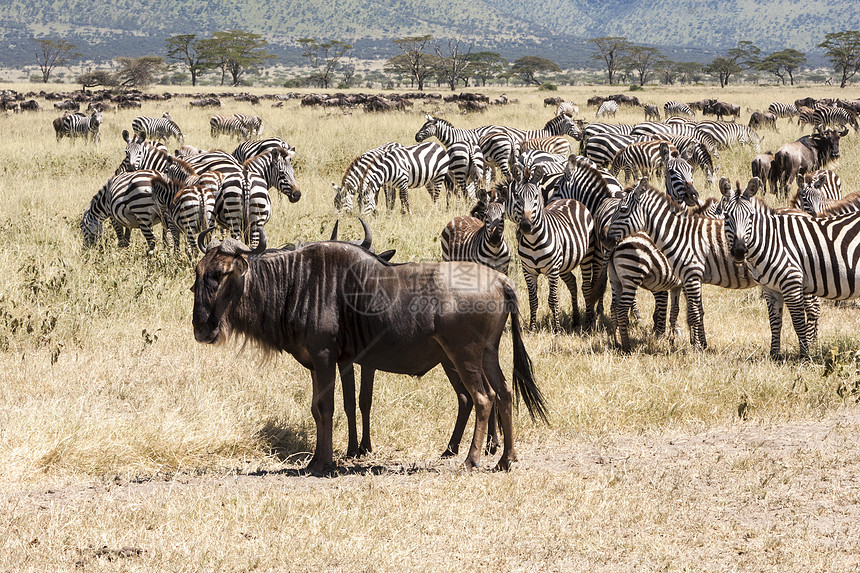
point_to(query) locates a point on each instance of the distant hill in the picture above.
(557, 29)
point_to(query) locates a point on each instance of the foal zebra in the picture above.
(86, 126)
(478, 239)
(797, 257)
(421, 165)
(552, 240)
(157, 127)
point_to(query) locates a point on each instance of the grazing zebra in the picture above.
(253, 123)
(552, 240)
(783, 110)
(157, 127)
(553, 144)
(479, 240)
(228, 125)
(824, 117)
(652, 128)
(640, 158)
(86, 126)
(351, 180)
(815, 196)
(248, 149)
(127, 200)
(637, 262)
(696, 152)
(797, 257)
(421, 165)
(720, 134)
(447, 133)
(602, 147)
(466, 168)
(677, 108)
(652, 112)
(567, 108)
(693, 245)
(608, 108)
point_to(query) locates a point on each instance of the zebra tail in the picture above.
(523, 375)
(598, 283)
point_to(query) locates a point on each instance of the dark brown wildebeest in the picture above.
(328, 303)
(760, 168)
(722, 109)
(808, 153)
(805, 102)
(760, 120)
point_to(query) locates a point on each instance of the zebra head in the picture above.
(629, 218)
(494, 221)
(527, 205)
(809, 196)
(428, 129)
(739, 210)
(679, 177)
(342, 198)
(286, 176)
(134, 149)
(91, 227)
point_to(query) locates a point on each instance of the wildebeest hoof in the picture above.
(316, 469)
(450, 452)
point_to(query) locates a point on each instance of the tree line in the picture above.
(234, 54)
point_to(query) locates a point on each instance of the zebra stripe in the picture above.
(783, 110)
(192, 210)
(677, 108)
(275, 167)
(478, 240)
(720, 134)
(447, 133)
(253, 123)
(248, 149)
(696, 152)
(795, 256)
(608, 108)
(815, 195)
(552, 144)
(500, 149)
(228, 125)
(127, 200)
(652, 128)
(553, 241)
(421, 165)
(640, 158)
(824, 117)
(559, 125)
(86, 126)
(465, 168)
(351, 180)
(157, 127)
(651, 112)
(602, 147)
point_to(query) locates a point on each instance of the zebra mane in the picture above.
(661, 197)
(579, 163)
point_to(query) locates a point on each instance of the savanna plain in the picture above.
(125, 445)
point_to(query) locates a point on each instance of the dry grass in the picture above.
(118, 431)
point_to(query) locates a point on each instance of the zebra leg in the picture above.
(404, 200)
(150, 238)
(626, 299)
(674, 310)
(813, 311)
(661, 303)
(553, 301)
(123, 234)
(695, 311)
(796, 303)
(531, 285)
(773, 299)
(570, 280)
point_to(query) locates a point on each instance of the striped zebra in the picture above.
(814, 197)
(833, 117)
(344, 194)
(421, 165)
(228, 125)
(799, 258)
(86, 126)
(548, 175)
(552, 144)
(447, 133)
(652, 128)
(721, 134)
(804, 115)
(559, 125)
(479, 240)
(127, 201)
(162, 128)
(465, 168)
(637, 262)
(783, 110)
(248, 149)
(652, 112)
(275, 167)
(678, 176)
(693, 245)
(567, 108)
(640, 158)
(192, 209)
(253, 123)
(677, 108)
(607, 108)
(593, 129)
(602, 147)
(552, 240)
(499, 149)
(696, 152)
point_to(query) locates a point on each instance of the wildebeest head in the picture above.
(219, 283)
(739, 211)
(827, 143)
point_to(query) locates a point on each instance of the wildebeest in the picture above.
(760, 120)
(760, 168)
(810, 152)
(333, 302)
(721, 109)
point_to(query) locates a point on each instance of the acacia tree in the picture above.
(783, 63)
(323, 58)
(843, 49)
(96, 78)
(420, 64)
(53, 53)
(610, 49)
(643, 60)
(138, 72)
(185, 48)
(528, 67)
(235, 52)
(451, 67)
(724, 68)
(485, 65)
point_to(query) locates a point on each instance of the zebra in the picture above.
(248, 149)
(192, 209)
(228, 125)
(567, 108)
(275, 168)
(652, 128)
(559, 125)
(797, 257)
(86, 126)
(466, 168)
(593, 129)
(693, 245)
(127, 201)
(552, 240)
(552, 144)
(499, 149)
(421, 165)
(678, 175)
(720, 134)
(696, 152)
(602, 147)
(652, 112)
(253, 123)
(447, 133)
(609, 108)
(643, 157)
(677, 108)
(352, 176)
(157, 127)
(814, 197)
(478, 239)
(637, 262)
(783, 110)
(825, 116)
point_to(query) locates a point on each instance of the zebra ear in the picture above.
(125, 135)
(664, 151)
(753, 186)
(641, 185)
(428, 117)
(725, 186)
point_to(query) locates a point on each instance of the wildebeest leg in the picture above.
(365, 400)
(503, 403)
(464, 409)
(347, 382)
(469, 368)
(322, 408)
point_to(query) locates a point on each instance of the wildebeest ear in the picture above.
(753, 186)
(387, 255)
(725, 186)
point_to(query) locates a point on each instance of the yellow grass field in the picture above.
(125, 445)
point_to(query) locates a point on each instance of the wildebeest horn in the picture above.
(368, 238)
(201, 239)
(334, 231)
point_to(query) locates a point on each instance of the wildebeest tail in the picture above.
(524, 382)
